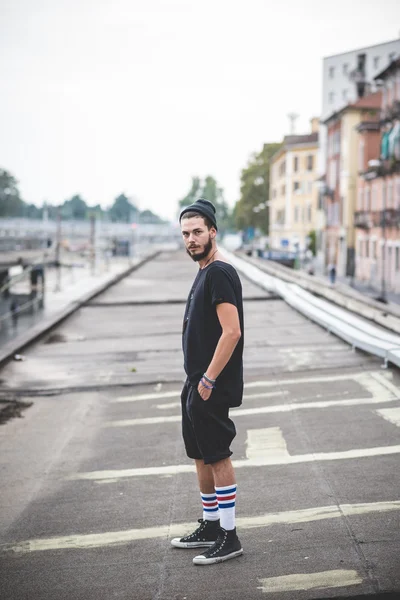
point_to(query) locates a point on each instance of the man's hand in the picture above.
(203, 391)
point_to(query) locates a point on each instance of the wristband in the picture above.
(210, 381)
(203, 383)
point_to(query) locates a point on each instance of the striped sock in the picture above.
(210, 507)
(226, 497)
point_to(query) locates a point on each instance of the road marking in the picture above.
(114, 538)
(262, 444)
(359, 377)
(390, 414)
(168, 405)
(154, 396)
(266, 461)
(310, 581)
(262, 410)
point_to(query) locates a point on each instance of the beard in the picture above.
(201, 255)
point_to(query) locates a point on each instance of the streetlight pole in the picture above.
(382, 297)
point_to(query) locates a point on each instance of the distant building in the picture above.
(347, 77)
(340, 188)
(377, 218)
(293, 192)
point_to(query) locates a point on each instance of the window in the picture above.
(296, 186)
(296, 214)
(368, 199)
(310, 162)
(273, 193)
(345, 68)
(360, 198)
(376, 62)
(373, 197)
(360, 248)
(296, 164)
(390, 195)
(374, 254)
(397, 259)
(309, 213)
(331, 97)
(283, 190)
(282, 168)
(309, 187)
(366, 248)
(331, 72)
(361, 150)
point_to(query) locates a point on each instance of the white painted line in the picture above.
(317, 379)
(115, 538)
(269, 383)
(262, 410)
(264, 462)
(263, 444)
(310, 581)
(154, 396)
(169, 405)
(390, 414)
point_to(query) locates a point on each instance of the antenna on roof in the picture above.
(292, 118)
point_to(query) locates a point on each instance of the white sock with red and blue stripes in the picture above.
(210, 506)
(226, 497)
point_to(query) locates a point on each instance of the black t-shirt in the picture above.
(216, 284)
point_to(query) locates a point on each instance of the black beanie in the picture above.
(204, 208)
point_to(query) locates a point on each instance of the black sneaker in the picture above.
(204, 536)
(227, 546)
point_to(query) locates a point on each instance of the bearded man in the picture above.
(212, 340)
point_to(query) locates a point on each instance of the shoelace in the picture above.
(219, 544)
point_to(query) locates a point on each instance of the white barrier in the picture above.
(354, 330)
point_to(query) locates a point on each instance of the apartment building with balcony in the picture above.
(377, 218)
(339, 191)
(293, 191)
(347, 77)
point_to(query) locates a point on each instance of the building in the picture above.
(351, 75)
(347, 77)
(340, 189)
(293, 192)
(377, 218)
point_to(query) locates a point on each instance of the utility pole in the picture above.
(292, 119)
(382, 297)
(93, 244)
(58, 252)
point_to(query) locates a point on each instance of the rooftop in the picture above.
(393, 66)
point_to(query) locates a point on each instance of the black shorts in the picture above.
(206, 427)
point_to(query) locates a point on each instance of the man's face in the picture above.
(197, 237)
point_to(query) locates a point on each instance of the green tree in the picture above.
(193, 194)
(209, 190)
(123, 210)
(147, 216)
(11, 205)
(254, 190)
(75, 208)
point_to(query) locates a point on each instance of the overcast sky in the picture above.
(100, 97)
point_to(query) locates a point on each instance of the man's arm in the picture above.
(228, 317)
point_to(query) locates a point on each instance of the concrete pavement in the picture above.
(98, 482)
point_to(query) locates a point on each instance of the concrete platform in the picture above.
(98, 482)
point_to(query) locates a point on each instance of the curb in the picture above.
(40, 329)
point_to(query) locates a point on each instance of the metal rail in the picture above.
(354, 330)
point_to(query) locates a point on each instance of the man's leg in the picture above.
(227, 545)
(208, 495)
(225, 488)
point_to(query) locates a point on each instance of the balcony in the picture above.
(363, 219)
(377, 218)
